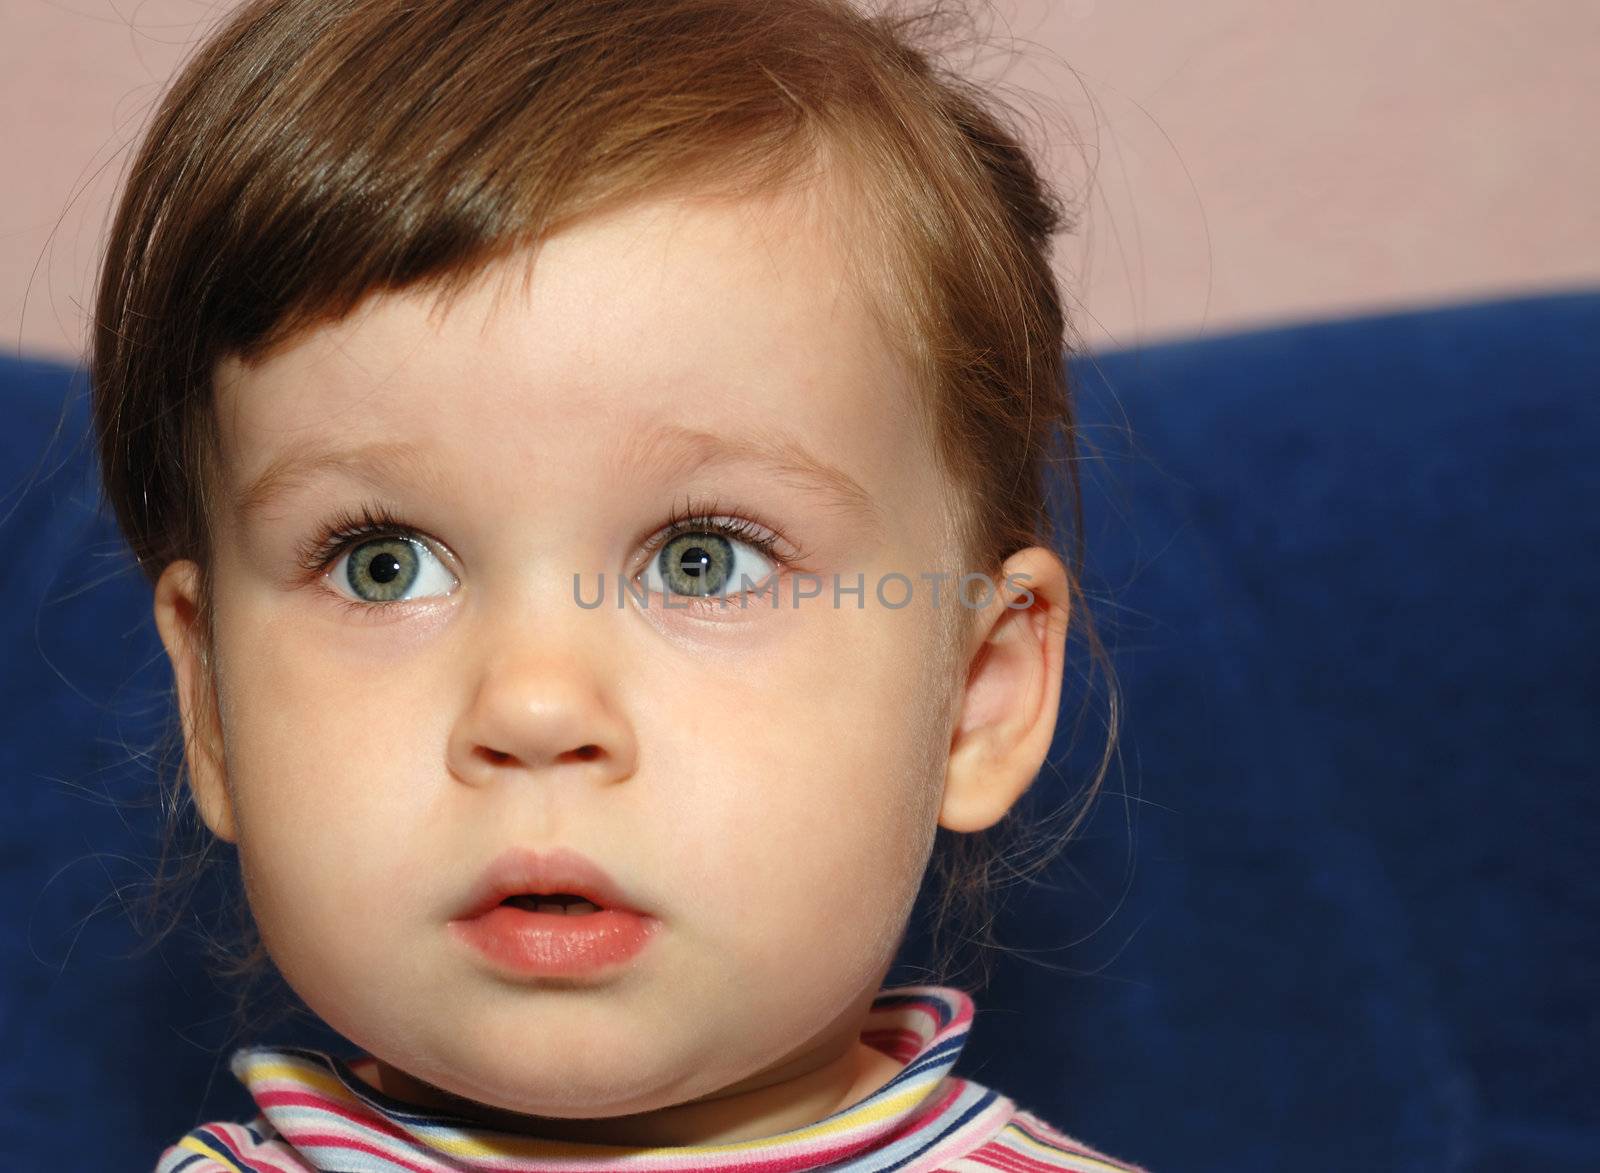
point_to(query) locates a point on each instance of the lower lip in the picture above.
(553, 944)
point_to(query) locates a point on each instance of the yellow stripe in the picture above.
(197, 1146)
(302, 1073)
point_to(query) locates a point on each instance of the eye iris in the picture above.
(696, 563)
(381, 571)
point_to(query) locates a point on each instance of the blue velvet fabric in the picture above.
(1336, 908)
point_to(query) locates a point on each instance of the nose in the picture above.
(539, 705)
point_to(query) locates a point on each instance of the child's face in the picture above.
(766, 781)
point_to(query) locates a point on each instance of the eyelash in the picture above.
(349, 529)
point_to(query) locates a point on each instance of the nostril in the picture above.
(583, 753)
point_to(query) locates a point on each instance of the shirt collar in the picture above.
(317, 1103)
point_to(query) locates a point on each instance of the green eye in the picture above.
(385, 569)
(704, 563)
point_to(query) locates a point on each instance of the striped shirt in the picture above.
(317, 1115)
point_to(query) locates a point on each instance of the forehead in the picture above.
(710, 314)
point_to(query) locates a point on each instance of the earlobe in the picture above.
(1013, 691)
(176, 615)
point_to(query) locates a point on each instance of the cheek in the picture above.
(814, 807)
(322, 769)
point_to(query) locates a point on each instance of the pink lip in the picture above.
(518, 871)
(551, 944)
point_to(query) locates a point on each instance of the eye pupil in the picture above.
(695, 561)
(384, 568)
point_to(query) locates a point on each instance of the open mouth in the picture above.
(554, 934)
(561, 903)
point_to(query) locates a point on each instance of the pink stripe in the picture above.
(322, 1103)
(236, 1141)
(898, 1042)
(995, 1156)
(256, 1153)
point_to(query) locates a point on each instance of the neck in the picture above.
(788, 1097)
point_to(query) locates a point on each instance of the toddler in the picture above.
(591, 458)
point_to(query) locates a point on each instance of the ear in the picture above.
(177, 611)
(1014, 655)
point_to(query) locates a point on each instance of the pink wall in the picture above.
(1252, 160)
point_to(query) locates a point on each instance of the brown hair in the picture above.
(314, 152)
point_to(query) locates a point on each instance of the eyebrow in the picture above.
(671, 450)
(369, 463)
(667, 450)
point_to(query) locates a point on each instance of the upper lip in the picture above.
(520, 870)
